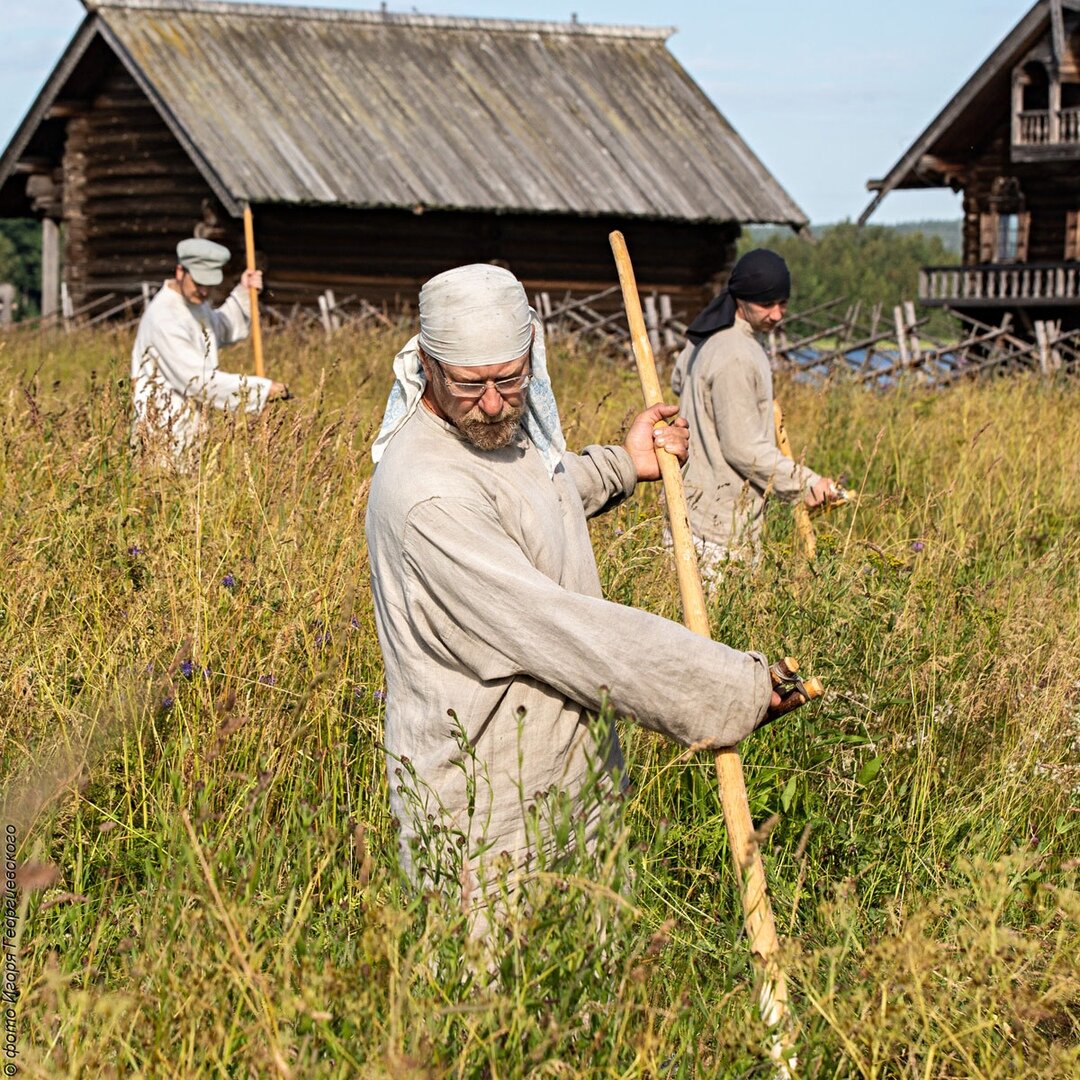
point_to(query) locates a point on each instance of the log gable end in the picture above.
(1022, 182)
(1010, 141)
(1045, 100)
(130, 192)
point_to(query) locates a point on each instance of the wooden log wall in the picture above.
(131, 193)
(385, 255)
(1051, 192)
(1051, 189)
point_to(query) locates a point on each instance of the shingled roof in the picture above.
(313, 106)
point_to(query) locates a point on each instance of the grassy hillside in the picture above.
(191, 697)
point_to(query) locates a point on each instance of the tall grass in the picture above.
(191, 706)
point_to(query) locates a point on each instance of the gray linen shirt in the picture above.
(488, 604)
(726, 394)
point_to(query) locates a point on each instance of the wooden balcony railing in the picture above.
(1018, 285)
(1070, 125)
(1033, 127)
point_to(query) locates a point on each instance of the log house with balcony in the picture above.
(1010, 140)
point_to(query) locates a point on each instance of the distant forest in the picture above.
(20, 262)
(950, 233)
(873, 263)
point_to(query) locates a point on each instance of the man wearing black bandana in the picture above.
(725, 390)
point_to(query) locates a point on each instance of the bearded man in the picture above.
(725, 389)
(499, 649)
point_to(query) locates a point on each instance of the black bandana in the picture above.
(759, 277)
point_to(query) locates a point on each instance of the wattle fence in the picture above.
(867, 343)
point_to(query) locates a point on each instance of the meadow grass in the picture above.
(191, 698)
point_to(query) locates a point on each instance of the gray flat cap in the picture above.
(203, 260)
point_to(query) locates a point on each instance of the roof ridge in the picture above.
(377, 18)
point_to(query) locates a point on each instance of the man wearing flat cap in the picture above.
(499, 649)
(174, 362)
(725, 390)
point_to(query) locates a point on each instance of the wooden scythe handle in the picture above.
(749, 869)
(256, 329)
(803, 528)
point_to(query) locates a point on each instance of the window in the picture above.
(1072, 235)
(1005, 225)
(1008, 237)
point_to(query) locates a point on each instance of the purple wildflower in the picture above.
(267, 680)
(379, 695)
(229, 581)
(167, 703)
(917, 546)
(354, 622)
(322, 639)
(135, 551)
(186, 668)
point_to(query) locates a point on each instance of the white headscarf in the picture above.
(475, 316)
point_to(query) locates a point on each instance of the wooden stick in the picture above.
(803, 529)
(749, 869)
(256, 330)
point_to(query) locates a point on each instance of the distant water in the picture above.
(813, 364)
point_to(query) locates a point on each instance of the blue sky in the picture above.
(827, 92)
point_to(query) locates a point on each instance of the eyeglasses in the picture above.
(507, 387)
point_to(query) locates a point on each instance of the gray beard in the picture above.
(491, 434)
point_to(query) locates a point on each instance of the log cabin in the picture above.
(1010, 141)
(377, 149)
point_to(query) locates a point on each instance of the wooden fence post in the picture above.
(7, 304)
(328, 312)
(901, 335)
(1046, 334)
(67, 308)
(912, 326)
(652, 322)
(671, 339)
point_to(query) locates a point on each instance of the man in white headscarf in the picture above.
(499, 650)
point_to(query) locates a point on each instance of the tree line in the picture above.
(20, 262)
(870, 263)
